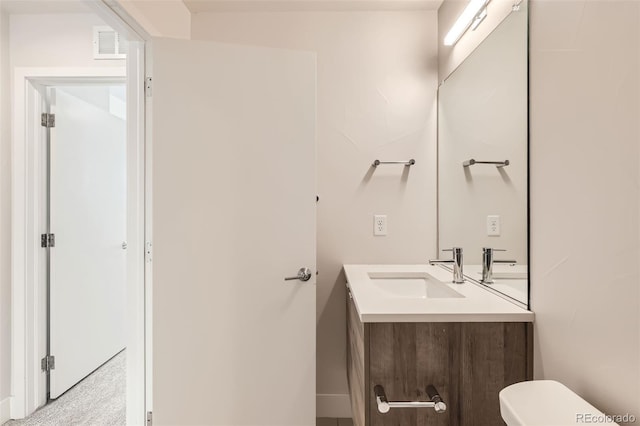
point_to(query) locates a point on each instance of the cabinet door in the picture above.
(357, 365)
(492, 357)
(468, 363)
(407, 357)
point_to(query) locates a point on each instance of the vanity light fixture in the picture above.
(478, 19)
(473, 15)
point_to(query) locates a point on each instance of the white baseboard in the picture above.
(333, 405)
(5, 412)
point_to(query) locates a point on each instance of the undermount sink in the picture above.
(424, 293)
(411, 285)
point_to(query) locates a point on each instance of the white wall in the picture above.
(5, 220)
(57, 40)
(585, 216)
(377, 77)
(26, 40)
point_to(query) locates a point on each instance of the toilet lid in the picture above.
(547, 403)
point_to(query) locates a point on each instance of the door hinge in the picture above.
(47, 240)
(148, 86)
(149, 418)
(48, 363)
(48, 120)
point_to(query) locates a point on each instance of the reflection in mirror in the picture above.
(482, 116)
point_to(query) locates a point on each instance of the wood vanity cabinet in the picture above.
(468, 363)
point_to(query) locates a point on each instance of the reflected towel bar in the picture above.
(384, 405)
(497, 163)
(406, 163)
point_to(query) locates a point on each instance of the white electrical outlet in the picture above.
(493, 225)
(380, 224)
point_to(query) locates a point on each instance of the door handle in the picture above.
(304, 274)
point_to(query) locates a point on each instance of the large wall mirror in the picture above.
(482, 158)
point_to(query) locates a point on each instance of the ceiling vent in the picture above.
(107, 44)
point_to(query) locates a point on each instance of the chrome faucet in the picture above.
(487, 264)
(458, 277)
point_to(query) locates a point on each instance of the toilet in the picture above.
(547, 403)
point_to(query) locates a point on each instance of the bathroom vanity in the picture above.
(409, 327)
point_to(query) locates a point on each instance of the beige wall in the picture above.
(160, 18)
(585, 217)
(5, 217)
(377, 76)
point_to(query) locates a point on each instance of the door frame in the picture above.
(28, 392)
(36, 140)
(24, 342)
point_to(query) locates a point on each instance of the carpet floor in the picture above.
(98, 400)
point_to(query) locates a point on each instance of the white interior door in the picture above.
(88, 218)
(233, 215)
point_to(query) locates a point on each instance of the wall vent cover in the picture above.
(107, 44)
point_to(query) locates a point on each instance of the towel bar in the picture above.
(498, 164)
(384, 405)
(406, 163)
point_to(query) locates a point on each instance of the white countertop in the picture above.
(515, 288)
(476, 305)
